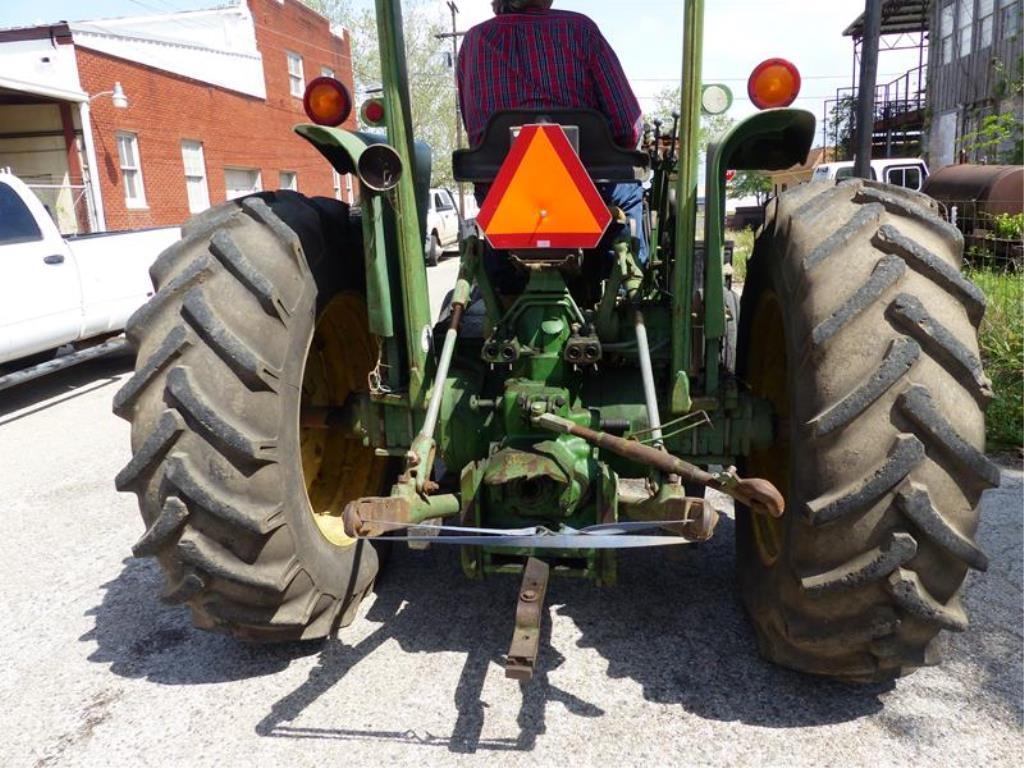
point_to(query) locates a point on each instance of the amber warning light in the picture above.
(543, 196)
(327, 102)
(773, 83)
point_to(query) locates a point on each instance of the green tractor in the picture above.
(295, 410)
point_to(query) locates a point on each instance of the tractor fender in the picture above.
(342, 149)
(767, 141)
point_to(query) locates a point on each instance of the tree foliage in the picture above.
(712, 127)
(840, 127)
(750, 184)
(428, 59)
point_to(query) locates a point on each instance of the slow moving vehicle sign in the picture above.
(543, 196)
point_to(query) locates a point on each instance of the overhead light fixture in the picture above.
(117, 96)
(119, 99)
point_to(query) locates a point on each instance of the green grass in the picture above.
(1002, 350)
(1001, 339)
(743, 246)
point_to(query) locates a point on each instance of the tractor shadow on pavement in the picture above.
(48, 391)
(141, 637)
(674, 625)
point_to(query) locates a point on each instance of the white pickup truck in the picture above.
(56, 291)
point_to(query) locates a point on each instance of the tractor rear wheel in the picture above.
(258, 313)
(858, 326)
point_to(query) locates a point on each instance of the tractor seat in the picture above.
(604, 160)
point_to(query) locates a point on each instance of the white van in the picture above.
(909, 172)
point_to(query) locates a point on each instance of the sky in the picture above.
(738, 34)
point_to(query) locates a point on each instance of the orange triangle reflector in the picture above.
(543, 196)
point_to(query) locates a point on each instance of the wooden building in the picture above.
(973, 60)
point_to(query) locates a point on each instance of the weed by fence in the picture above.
(1002, 349)
(743, 247)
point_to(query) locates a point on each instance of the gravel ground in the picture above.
(661, 669)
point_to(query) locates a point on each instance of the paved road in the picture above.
(659, 670)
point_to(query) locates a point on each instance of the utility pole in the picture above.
(455, 35)
(866, 96)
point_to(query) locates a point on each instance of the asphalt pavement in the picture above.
(659, 670)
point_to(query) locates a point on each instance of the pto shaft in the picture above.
(760, 495)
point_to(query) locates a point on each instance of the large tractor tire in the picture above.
(259, 311)
(858, 326)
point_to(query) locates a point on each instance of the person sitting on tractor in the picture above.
(531, 57)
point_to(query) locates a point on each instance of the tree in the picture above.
(998, 139)
(428, 59)
(750, 184)
(712, 127)
(840, 126)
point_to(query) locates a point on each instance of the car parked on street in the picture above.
(444, 225)
(58, 290)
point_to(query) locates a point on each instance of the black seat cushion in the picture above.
(601, 156)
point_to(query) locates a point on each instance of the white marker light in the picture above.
(715, 99)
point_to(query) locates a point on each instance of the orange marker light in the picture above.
(773, 83)
(327, 102)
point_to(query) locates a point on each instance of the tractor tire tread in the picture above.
(202, 403)
(875, 564)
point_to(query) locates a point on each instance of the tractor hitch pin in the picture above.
(522, 653)
(647, 373)
(758, 494)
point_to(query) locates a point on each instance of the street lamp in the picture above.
(117, 96)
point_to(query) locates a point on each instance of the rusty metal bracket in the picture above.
(758, 494)
(522, 654)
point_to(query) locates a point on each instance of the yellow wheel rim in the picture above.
(336, 465)
(767, 377)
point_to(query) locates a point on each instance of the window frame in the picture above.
(986, 24)
(297, 76)
(1009, 19)
(294, 180)
(204, 178)
(326, 71)
(947, 31)
(137, 202)
(258, 187)
(965, 28)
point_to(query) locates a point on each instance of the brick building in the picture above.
(140, 122)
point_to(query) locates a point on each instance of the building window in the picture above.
(195, 175)
(326, 72)
(131, 169)
(336, 181)
(965, 21)
(239, 182)
(296, 81)
(946, 32)
(986, 19)
(288, 180)
(1009, 18)
(349, 193)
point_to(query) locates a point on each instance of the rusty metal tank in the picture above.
(978, 191)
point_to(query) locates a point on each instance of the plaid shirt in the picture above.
(543, 59)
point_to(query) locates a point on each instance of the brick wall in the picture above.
(236, 130)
